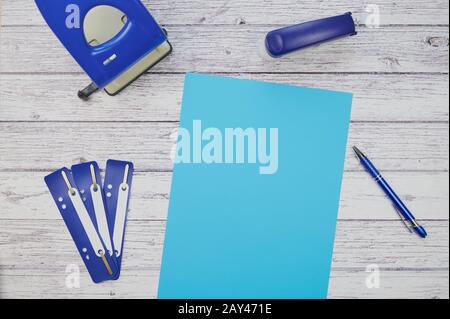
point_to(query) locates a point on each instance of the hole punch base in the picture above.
(141, 67)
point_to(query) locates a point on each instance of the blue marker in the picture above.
(401, 208)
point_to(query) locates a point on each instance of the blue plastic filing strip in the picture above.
(140, 36)
(113, 179)
(286, 40)
(82, 176)
(94, 264)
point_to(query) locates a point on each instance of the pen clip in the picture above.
(403, 219)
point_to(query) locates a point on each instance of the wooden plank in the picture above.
(425, 193)
(282, 12)
(343, 284)
(35, 254)
(157, 97)
(394, 285)
(237, 49)
(149, 145)
(408, 284)
(23, 195)
(45, 247)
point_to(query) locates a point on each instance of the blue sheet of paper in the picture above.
(254, 228)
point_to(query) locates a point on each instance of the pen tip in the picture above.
(358, 153)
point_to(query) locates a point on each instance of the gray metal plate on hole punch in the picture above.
(102, 23)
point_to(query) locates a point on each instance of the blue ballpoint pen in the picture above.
(406, 215)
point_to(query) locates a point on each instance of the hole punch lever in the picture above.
(85, 93)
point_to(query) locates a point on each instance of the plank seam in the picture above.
(243, 25)
(177, 122)
(240, 73)
(346, 220)
(340, 269)
(50, 170)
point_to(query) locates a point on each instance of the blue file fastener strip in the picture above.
(95, 215)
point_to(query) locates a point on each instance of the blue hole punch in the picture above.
(114, 41)
(287, 40)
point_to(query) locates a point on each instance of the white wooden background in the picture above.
(398, 72)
